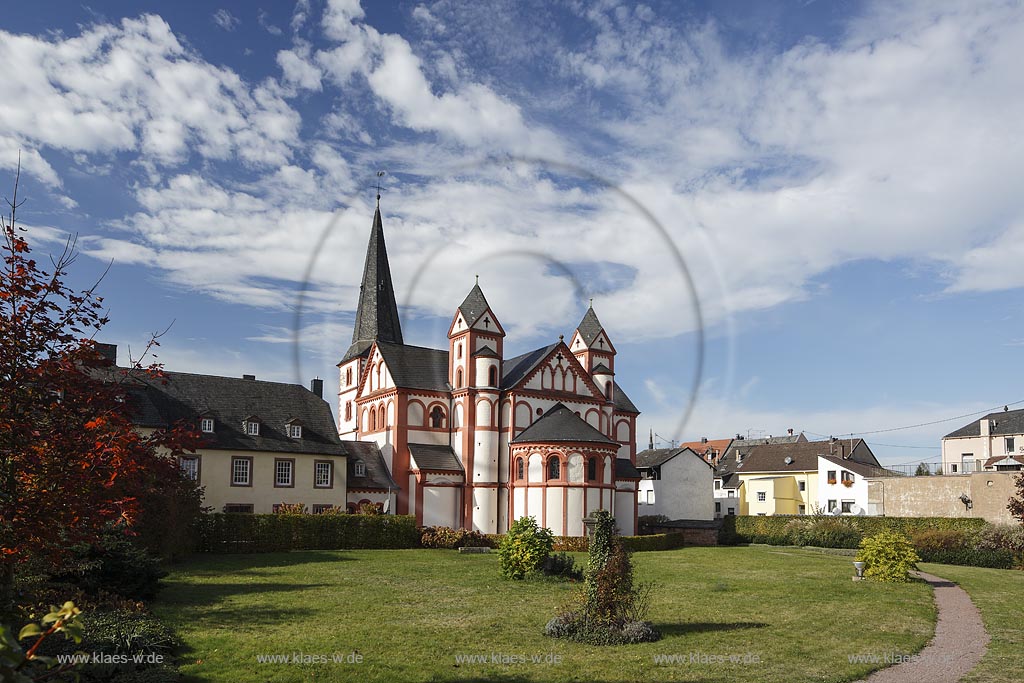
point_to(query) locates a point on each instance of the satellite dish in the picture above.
(788, 460)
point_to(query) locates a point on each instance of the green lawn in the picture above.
(998, 594)
(409, 613)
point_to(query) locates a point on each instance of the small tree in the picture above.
(1016, 506)
(888, 556)
(922, 471)
(524, 549)
(71, 460)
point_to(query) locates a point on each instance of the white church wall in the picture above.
(593, 500)
(553, 518)
(411, 489)
(624, 518)
(440, 506)
(577, 511)
(535, 503)
(535, 467)
(485, 457)
(575, 472)
(415, 413)
(485, 510)
(518, 503)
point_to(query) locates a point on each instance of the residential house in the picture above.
(993, 443)
(843, 485)
(676, 483)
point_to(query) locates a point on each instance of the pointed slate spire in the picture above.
(590, 326)
(474, 305)
(377, 314)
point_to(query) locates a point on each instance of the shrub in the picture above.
(237, 533)
(635, 544)
(524, 548)
(646, 524)
(564, 566)
(888, 556)
(448, 538)
(823, 531)
(772, 529)
(609, 608)
(290, 509)
(115, 564)
(995, 546)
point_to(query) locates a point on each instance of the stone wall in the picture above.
(939, 496)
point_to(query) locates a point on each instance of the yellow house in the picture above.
(783, 478)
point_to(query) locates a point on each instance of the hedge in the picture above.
(772, 529)
(239, 533)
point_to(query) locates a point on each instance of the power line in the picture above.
(887, 445)
(933, 422)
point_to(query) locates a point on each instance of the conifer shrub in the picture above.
(524, 549)
(888, 556)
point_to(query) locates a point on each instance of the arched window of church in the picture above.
(437, 417)
(348, 377)
(592, 469)
(458, 378)
(554, 467)
(459, 347)
(608, 389)
(348, 410)
(520, 467)
(492, 377)
(373, 419)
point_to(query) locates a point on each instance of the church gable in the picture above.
(376, 376)
(561, 372)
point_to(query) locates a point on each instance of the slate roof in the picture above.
(485, 352)
(601, 368)
(561, 424)
(730, 480)
(1003, 422)
(377, 312)
(377, 475)
(186, 396)
(860, 468)
(589, 327)
(515, 369)
(474, 305)
(416, 367)
(655, 457)
(1019, 459)
(624, 469)
(621, 401)
(772, 457)
(720, 446)
(435, 458)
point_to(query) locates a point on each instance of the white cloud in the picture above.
(226, 20)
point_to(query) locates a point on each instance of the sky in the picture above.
(798, 215)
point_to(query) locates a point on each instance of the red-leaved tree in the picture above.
(71, 461)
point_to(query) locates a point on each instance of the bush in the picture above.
(563, 566)
(524, 548)
(823, 531)
(888, 556)
(773, 529)
(448, 538)
(646, 524)
(993, 546)
(241, 533)
(114, 564)
(169, 509)
(635, 544)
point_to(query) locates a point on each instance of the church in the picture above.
(472, 439)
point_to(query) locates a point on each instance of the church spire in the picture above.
(377, 314)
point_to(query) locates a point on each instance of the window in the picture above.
(1009, 445)
(718, 484)
(967, 463)
(348, 377)
(718, 508)
(592, 469)
(321, 508)
(437, 417)
(847, 507)
(803, 485)
(492, 377)
(608, 390)
(241, 471)
(459, 349)
(252, 428)
(206, 425)
(832, 506)
(360, 469)
(323, 474)
(348, 410)
(732, 511)
(373, 419)
(831, 476)
(554, 468)
(761, 496)
(245, 508)
(520, 467)
(650, 497)
(295, 431)
(458, 379)
(801, 509)
(283, 472)
(952, 468)
(190, 466)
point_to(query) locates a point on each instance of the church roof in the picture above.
(561, 424)
(589, 327)
(485, 352)
(416, 367)
(435, 458)
(515, 369)
(601, 369)
(624, 469)
(377, 313)
(474, 306)
(621, 401)
(377, 475)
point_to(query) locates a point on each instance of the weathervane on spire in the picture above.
(380, 174)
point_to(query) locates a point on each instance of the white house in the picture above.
(676, 483)
(843, 485)
(994, 443)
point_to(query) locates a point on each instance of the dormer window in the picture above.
(206, 425)
(360, 469)
(295, 431)
(251, 426)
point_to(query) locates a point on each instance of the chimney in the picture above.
(651, 445)
(985, 426)
(842, 451)
(107, 352)
(316, 385)
(703, 439)
(790, 430)
(251, 377)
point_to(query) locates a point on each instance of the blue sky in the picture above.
(839, 179)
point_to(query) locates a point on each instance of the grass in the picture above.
(409, 613)
(997, 593)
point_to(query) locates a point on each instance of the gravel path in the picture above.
(959, 643)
